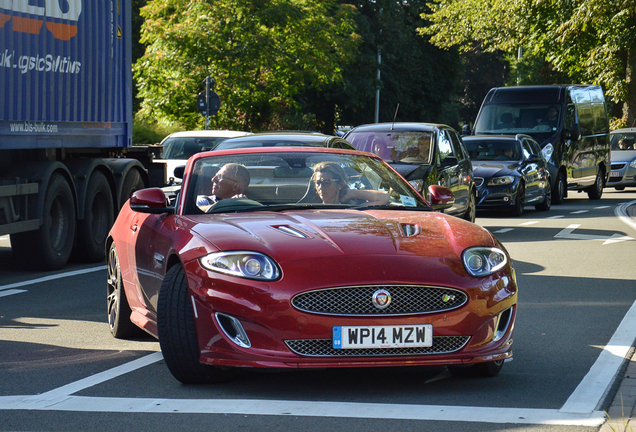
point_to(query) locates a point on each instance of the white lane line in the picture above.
(579, 212)
(529, 223)
(308, 409)
(601, 207)
(504, 230)
(101, 377)
(52, 277)
(621, 212)
(590, 392)
(556, 217)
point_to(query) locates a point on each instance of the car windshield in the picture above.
(623, 141)
(488, 150)
(184, 147)
(294, 180)
(405, 147)
(510, 118)
(257, 142)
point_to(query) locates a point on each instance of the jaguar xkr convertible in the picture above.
(322, 258)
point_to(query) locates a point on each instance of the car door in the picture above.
(449, 171)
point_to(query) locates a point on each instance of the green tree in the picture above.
(423, 79)
(589, 40)
(262, 54)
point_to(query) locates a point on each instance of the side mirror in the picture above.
(440, 197)
(466, 129)
(151, 200)
(449, 161)
(534, 158)
(178, 171)
(574, 132)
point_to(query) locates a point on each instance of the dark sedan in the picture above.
(510, 173)
(285, 139)
(424, 154)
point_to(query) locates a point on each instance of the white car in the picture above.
(179, 146)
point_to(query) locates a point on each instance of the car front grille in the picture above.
(618, 166)
(358, 300)
(324, 348)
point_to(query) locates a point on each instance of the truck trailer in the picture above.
(67, 163)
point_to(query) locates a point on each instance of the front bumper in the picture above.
(622, 175)
(494, 197)
(284, 337)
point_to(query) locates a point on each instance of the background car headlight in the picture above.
(251, 265)
(483, 261)
(547, 152)
(632, 164)
(500, 181)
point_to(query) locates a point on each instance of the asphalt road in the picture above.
(60, 370)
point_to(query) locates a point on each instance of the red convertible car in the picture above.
(307, 258)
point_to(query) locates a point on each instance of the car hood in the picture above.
(488, 169)
(623, 155)
(312, 234)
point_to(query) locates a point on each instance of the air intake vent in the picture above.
(410, 230)
(291, 231)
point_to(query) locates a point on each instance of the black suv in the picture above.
(424, 154)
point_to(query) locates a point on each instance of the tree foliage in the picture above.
(590, 40)
(262, 54)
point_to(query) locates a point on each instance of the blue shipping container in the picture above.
(65, 74)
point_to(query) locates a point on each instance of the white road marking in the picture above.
(579, 212)
(556, 217)
(567, 233)
(529, 223)
(52, 277)
(601, 207)
(504, 230)
(621, 212)
(589, 393)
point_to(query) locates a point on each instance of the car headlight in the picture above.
(547, 152)
(250, 265)
(632, 164)
(500, 181)
(483, 261)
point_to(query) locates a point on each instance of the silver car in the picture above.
(623, 147)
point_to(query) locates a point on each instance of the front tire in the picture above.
(559, 191)
(547, 199)
(118, 308)
(471, 208)
(178, 333)
(520, 200)
(595, 191)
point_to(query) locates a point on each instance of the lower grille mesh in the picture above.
(324, 348)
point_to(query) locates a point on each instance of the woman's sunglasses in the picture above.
(325, 183)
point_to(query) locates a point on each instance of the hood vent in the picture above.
(291, 231)
(409, 230)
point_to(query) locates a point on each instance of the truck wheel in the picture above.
(98, 219)
(132, 183)
(595, 191)
(49, 247)
(178, 333)
(559, 191)
(118, 308)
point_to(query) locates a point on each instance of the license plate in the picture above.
(615, 174)
(383, 336)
